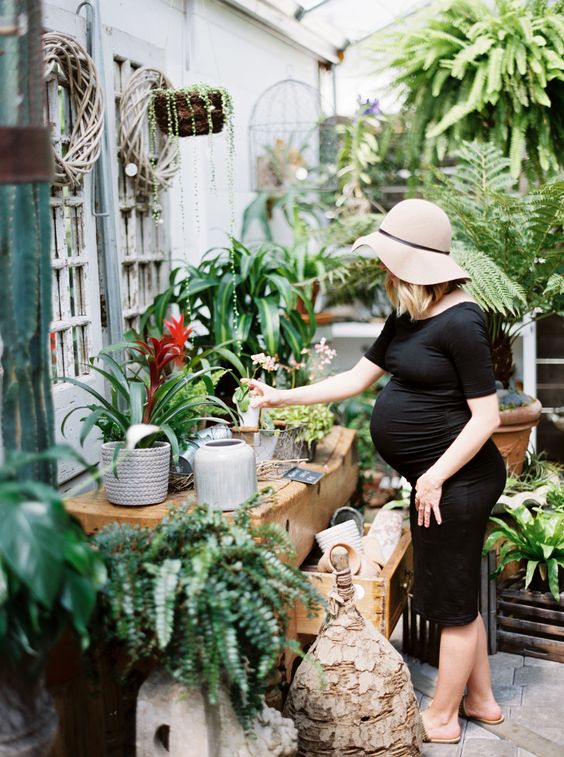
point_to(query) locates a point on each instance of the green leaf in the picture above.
(78, 598)
(32, 545)
(270, 323)
(553, 583)
(531, 567)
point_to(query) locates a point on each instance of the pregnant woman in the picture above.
(432, 423)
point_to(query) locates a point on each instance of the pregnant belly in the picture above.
(411, 429)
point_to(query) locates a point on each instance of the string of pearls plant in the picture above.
(199, 109)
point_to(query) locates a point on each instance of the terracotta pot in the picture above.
(325, 565)
(300, 306)
(512, 435)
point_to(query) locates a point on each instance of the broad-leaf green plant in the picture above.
(142, 391)
(49, 573)
(536, 537)
(241, 297)
(470, 69)
(205, 597)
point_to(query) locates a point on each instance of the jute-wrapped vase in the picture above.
(368, 706)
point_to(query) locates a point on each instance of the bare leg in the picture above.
(456, 661)
(480, 700)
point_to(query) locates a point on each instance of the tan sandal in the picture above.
(428, 740)
(485, 721)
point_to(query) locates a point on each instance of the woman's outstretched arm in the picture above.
(332, 389)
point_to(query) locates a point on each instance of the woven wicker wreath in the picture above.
(63, 54)
(135, 140)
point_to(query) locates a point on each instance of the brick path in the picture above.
(530, 691)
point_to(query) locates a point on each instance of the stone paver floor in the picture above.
(530, 691)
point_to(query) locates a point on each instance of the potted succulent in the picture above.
(49, 577)
(205, 598)
(143, 392)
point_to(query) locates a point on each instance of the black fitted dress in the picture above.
(436, 364)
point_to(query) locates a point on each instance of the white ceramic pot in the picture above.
(142, 474)
(249, 418)
(225, 473)
(346, 532)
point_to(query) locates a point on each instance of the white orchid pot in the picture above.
(142, 474)
(250, 418)
(225, 473)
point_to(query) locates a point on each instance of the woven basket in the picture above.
(142, 474)
(192, 112)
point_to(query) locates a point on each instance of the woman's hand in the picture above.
(263, 395)
(428, 491)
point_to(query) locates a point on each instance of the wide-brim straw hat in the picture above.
(413, 242)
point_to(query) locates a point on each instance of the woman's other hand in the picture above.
(263, 395)
(428, 491)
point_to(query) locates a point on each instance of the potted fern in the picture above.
(205, 598)
(511, 244)
(490, 71)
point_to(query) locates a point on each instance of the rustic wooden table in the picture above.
(301, 509)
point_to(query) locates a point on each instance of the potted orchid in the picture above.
(156, 397)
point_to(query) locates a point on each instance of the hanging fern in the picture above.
(472, 71)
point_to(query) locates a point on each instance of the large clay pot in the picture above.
(512, 435)
(28, 722)
(225, 473)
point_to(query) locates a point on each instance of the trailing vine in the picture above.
(188, 124)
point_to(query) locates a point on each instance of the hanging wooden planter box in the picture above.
(530, 623)
(195, 113)
(380, 600)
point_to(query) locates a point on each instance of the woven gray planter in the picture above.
(142, 474)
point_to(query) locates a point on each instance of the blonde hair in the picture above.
(416, 299)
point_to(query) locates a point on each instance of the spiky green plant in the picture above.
(206, 597)
(473, 69)
(511, 244)
(537, 539)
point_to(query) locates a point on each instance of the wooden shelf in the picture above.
(302, 510)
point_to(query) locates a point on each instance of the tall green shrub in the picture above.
(472, 71)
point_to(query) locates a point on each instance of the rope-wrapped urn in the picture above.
(367, 705)
(64, 57)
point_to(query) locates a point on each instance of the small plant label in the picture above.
(303, 475)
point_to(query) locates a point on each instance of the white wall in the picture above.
(207, 41)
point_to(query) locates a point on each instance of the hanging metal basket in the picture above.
(187, 113)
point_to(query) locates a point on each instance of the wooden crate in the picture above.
(380, 600)
(530, 623)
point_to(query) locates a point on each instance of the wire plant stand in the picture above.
(293, 144)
